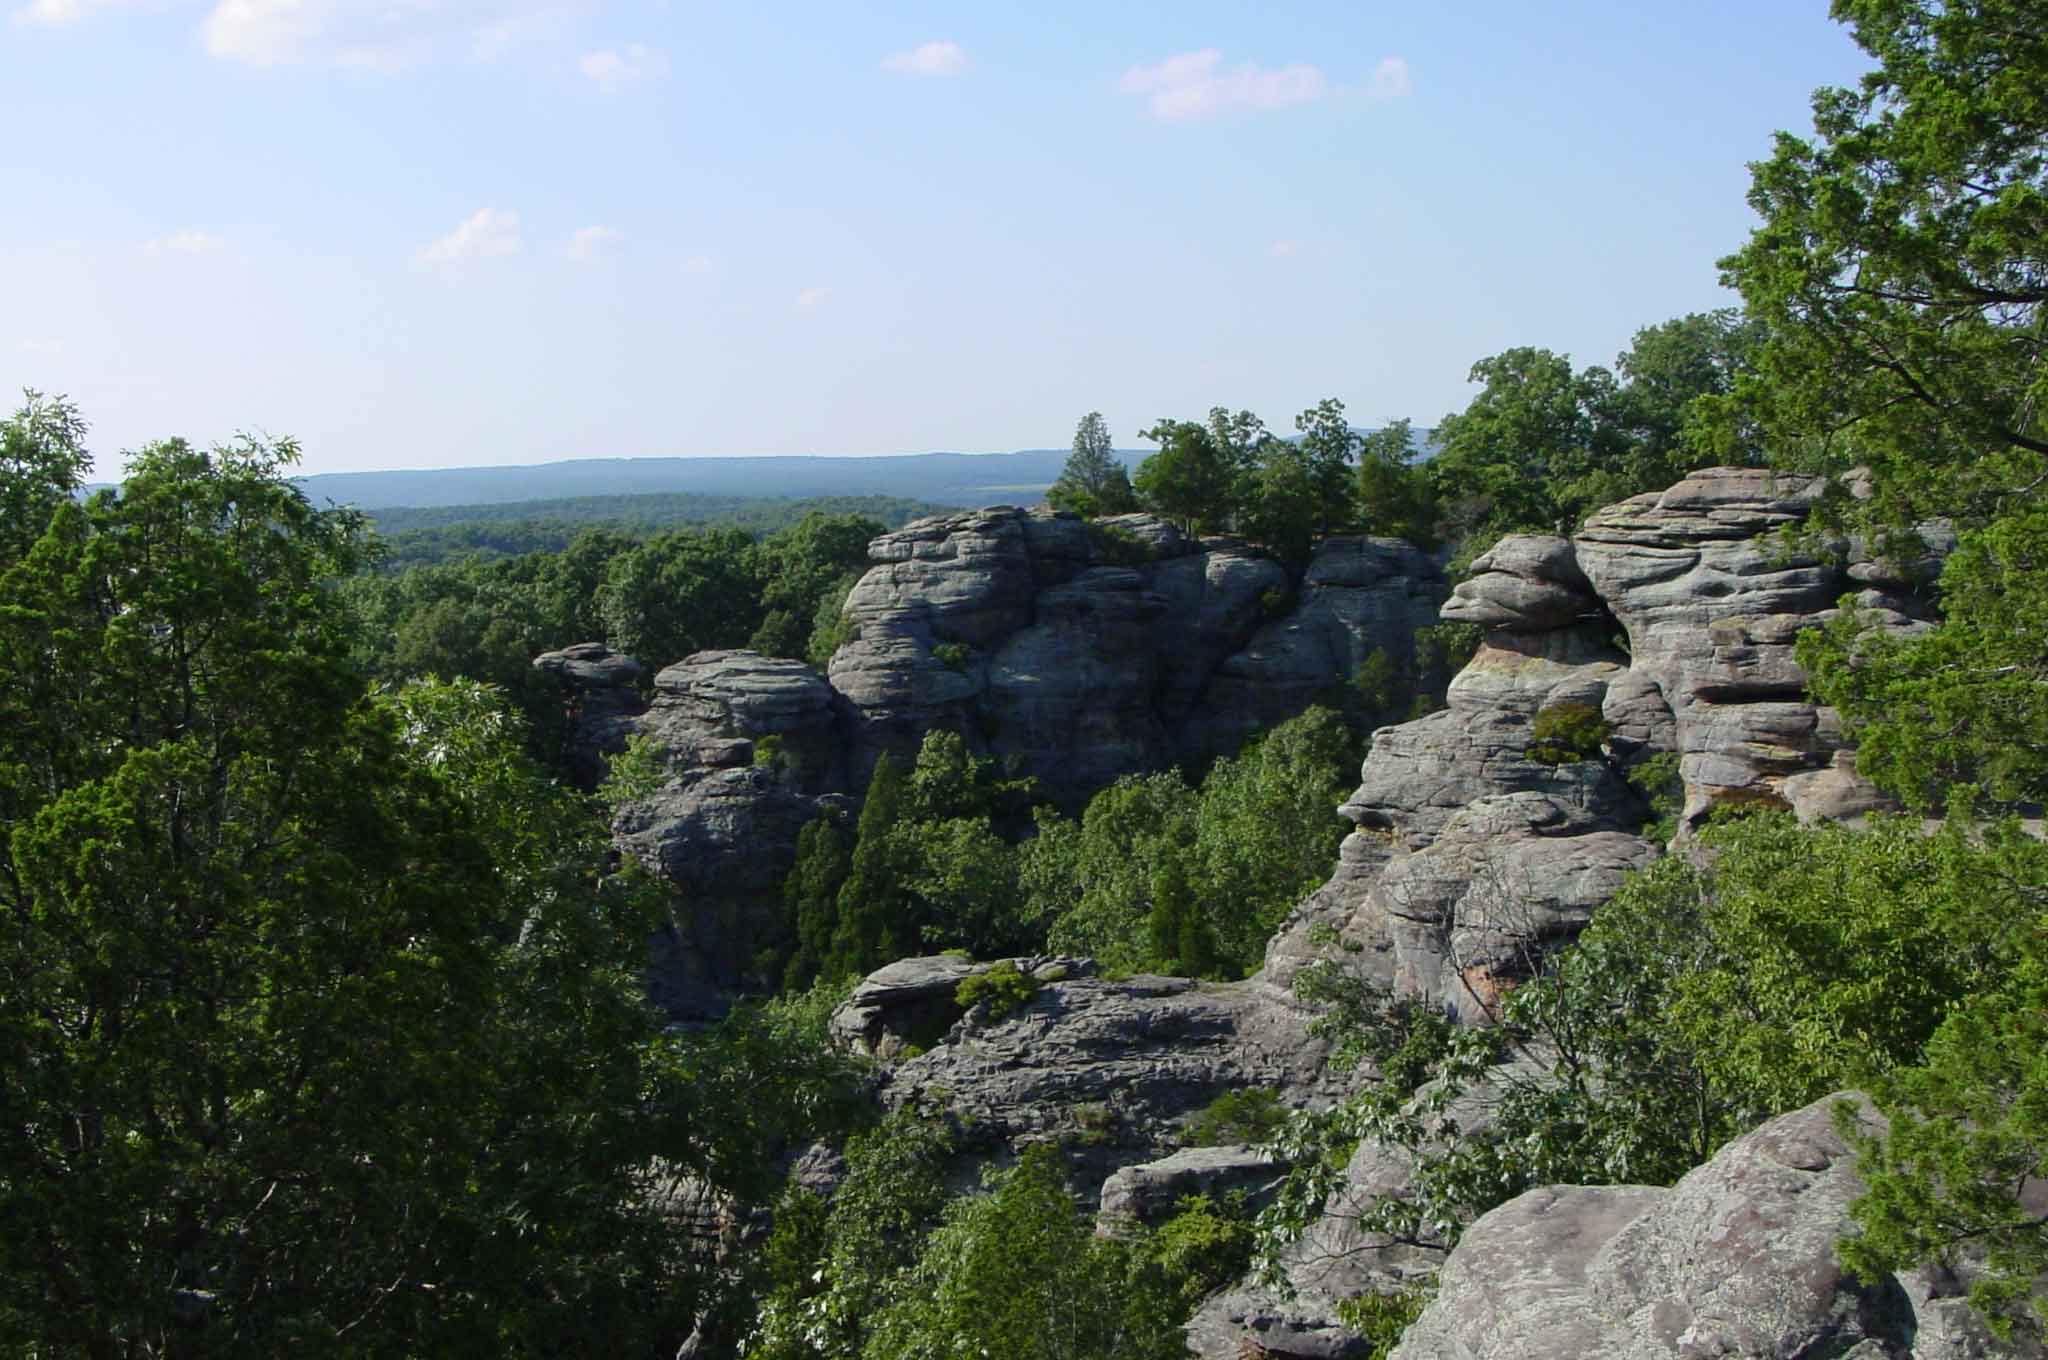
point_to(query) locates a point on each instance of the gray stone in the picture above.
(1736, 1260)
(1525, 583)
(601, 687)
(1149, 1193)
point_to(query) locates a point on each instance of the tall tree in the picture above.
(1902, 264)
(1393, 494)
(1330, 447)
(1093, 482)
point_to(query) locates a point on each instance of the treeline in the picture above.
(1537, 448)
(420, 536)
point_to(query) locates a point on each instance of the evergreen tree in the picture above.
(1093, 482)
(811, 894)
(876, 924)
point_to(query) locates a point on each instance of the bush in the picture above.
(1002, 987)
(1566, 733)
(1250, 1115)
(953, 654)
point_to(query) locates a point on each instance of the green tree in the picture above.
(681, 593)
(1330, 448)
(43, 462)
(1017, 1273)
(1532, 449)
(1902, 263)
(1393, 495)
(1191, 480)
(1093, 482)
(312, 1008)
(811, 894)
(1279, 503)
(800, 567)
(876, 920)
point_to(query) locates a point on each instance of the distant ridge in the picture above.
(948, 478)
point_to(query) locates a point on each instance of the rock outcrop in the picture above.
(1084, 652)
(1736, 1260)
(601, 692)
(1113, 1069)
(1075, 653)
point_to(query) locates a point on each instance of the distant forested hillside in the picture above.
(417, 536)
(949, 478)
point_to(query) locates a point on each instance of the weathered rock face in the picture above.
(1472, 860)
(721, 710)
(910, 1003)
(1084, 655)
(1112, 1069)
(1712, 599)
(1151, 1192)
(601, 688)
(1736, 1260)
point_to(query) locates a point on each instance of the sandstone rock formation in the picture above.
(601, 690)
(1112, 1069)
(1076, 653)
(1736, 1260)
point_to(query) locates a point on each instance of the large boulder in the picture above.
(1737, 1260)
(724, 709)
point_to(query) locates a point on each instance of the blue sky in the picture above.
(418, 233)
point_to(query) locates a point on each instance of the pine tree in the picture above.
(874, 909)
(1093, 482)
(811, 893)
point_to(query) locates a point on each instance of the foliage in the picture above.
(1380, 1320)
(1204, 1246)
(1658, 780)
(1964, 703)
(831, 626)
(1899, 267)
(1000, 989)
(1968, 1132)
(1441, 651)
(1394, 497)
(43, 463)
(1565, 733)
(428, 536)
(1016, 1273)
(830, 1272)
(314, 1007)
(1093, 482)
(1702, 999)
(1242, 849)
(1191, 480)
(1249, 1114)
(824, 858)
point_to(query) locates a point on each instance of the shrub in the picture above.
(769, 754)
(1657, 779)
(1566, 733)
(1115, 546)
(1252, 1114)
(1002, 987)
(1380, 1319)
(953, 654)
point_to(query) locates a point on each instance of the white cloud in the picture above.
(263, 32)
(1284, 250)
(590, 242)
(488, 233)
(698, 264)
(942, 58)
(1390, 80)
(56, 13)
(1194, 85)
(185, 243)
(628, 65)
(812, 297)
